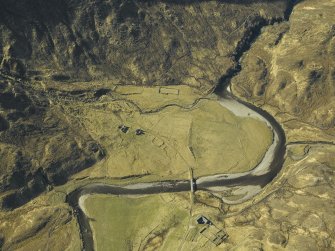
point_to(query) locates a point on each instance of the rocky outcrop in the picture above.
(294, 212)
(287, 68)
(291, 66)
(127, 42)
(38, 148)
(139, 42)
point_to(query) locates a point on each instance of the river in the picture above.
(245, 185)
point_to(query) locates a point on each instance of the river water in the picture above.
(244, 185)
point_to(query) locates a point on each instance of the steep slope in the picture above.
(38, 145)
(291, 68)
(139, 42)
(288, 71)
(125, 42)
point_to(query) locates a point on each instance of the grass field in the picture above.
(205, 137)
(225, 143)
(151, 98)
(155, 222)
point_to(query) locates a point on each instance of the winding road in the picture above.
(245, 185)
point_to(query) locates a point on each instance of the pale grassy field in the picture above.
(40, 226)
(150, 98)
(155, 222)
(225, 143)
(205, 137)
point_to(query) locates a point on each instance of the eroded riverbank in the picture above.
(245, 185)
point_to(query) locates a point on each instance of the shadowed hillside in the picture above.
(139, 42)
